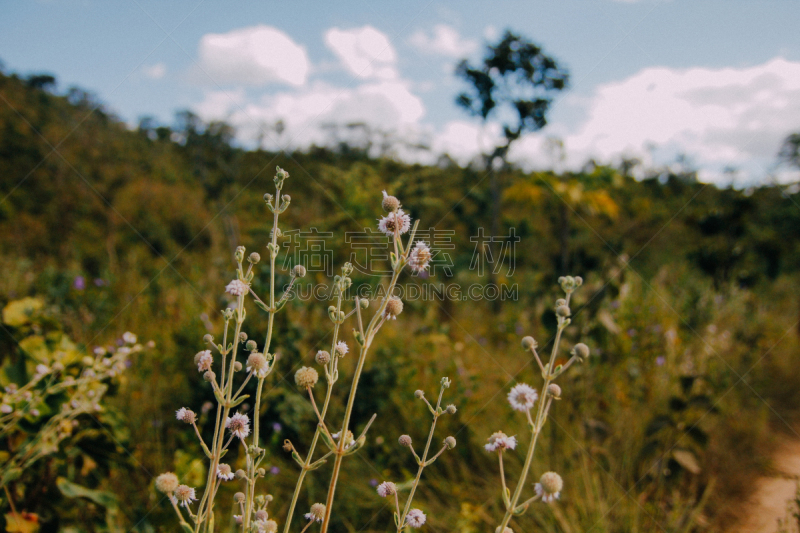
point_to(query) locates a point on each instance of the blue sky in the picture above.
(718, 80)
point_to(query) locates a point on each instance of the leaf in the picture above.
(10, 475)
(73, 490)
(18, 312)
(687, 460)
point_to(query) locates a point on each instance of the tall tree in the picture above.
(514, 84)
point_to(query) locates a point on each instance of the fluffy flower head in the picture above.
(239, 425)
(306, 377)
(341, 348)
(420, 257)
(317, 512)
(257, 364)
(395, 220)
(167, 482)
(522, 397)
(236, 287)
(204, 360)
(224, 472)
(549, 487)
(499, 441)
(185, 415)
(387, 488)
(415, 518)
(185, 495)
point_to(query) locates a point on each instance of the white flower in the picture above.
(549, 487)
(224, 472)
(266, 526)
(415, 518)
(317, 512)
(99, 351)
(396, 218)
(239, 425)
(500, 441)
(522, 397)
(129, 337)
(341, 348)
(236, 287)
(387, 488)
(420, 257)
(204, 360)
(238, 519)
(6, 409)
(185, 415)
(42, 369)
(185, 495)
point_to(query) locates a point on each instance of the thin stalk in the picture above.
(337, 465)
(401, 522)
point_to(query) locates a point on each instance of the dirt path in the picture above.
(772, 493)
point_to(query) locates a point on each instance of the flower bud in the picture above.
(561, 301)
(237, 366)
(251, 346)
(209, 376)
(581, 351)
(450, 442)
(239, 253)
(390, 203)
(239, 496)
(208, 338)
(167, 482)
(529, 343)
(419, 394)
(451, 409)
(404, 441)
(299, 271)
(563, 311)
(254, 258)
(242, 336)
(394, 306)
(364, 303)
(347, 269)
(554, 390)
(261, 515)
(322, 357)
(445, 382)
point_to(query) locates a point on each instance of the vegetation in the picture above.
(689, 304)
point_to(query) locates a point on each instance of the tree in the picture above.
(513, 84)
(790, 151)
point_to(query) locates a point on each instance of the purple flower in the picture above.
(79, 283)
(660, 361)
(276, 427)
(99, 282)
(373, 482)
(274, 470)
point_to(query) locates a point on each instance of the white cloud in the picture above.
(444, 41)
(387, 106)
(155, 72)
(256, 55)
(365, 52)
(718, 117)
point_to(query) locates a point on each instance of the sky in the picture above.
(715, 81)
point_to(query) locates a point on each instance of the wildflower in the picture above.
(341, 349)
(42, 369)
(404, 440)
(563, 311)
(306, 377)
(129, 337)
(348, 438)
(549, 486)
(236, 287)
(522, 397)
(6, 409)
(554, 390)
(224, 472)
(167, 482)
(500, 441)
(415, 518)
(451, 409)
(420, 257)
(387, 488)
(257, 364)
(185, 495)
(394, 306)
(185, 415)
(261, 514)
(299, 271)
(239, 425)
(529, 343)
(317, 512)
(322, 357)
(203, 360)
(238, 497)
(394, 220)
(450, 442)
(581, 351)
(238, 519)
(419, 394)
(266, 526)
(390, 203)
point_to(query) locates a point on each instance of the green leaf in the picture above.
(239, 400)
(73, 490)
(261, 305)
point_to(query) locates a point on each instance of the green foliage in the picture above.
(124, 232)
